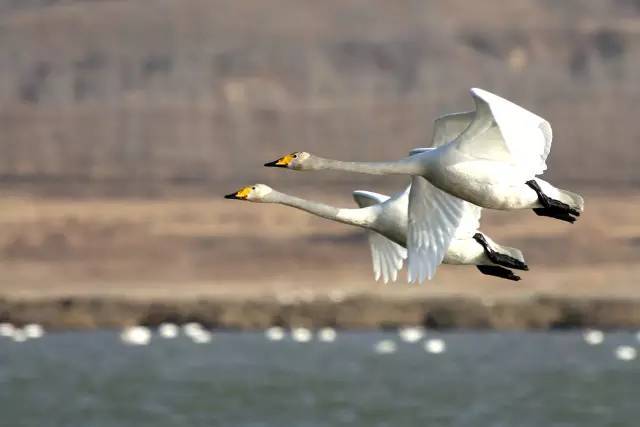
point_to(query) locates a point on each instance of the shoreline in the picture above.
(358, 311)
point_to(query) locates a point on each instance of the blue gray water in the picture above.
(243, 380)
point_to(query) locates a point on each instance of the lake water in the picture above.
(243, 380)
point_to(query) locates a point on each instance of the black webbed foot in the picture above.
(555, 213)
(496, 270)
(551, 207)
(498, 258)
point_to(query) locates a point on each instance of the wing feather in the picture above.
(470, 221)
(387, 256)
(368, 198)
(434, 217)
(447, 128)
(503, 131)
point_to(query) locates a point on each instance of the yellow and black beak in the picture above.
(240, 194)
(282, 162)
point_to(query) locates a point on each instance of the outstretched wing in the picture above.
(387, 256)
(368, 198)
(434, 217)
(470, 221)
(505, 132)
(446, 129)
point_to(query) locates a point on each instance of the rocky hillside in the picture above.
(202, 92)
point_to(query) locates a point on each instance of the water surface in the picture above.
(243, 380)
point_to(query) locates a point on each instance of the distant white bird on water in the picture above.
(192, 328)
(435, 346)
(593, 337)
(301, 334)
(274, 333)
(489, 157)
(385, 347)
(385, 219)
(411, 334)
(168, 330)
(327, 335)
(7, 329)
(136, 335)
(198, 333)
(33, 330)
(201, 337)
(19, 336)
(626, 353)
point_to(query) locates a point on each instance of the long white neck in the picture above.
(414, 165)
(362, 217)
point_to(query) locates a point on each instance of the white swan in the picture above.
(327, 334)
(386, 220)
(33, 330)
(7, 329)
(301, 334)
(274, 333)
(626, 352)
(136, 335)
(168, 330)
(411, 334)
(488, 157)
(593, 336)
(201, 336)
(435, 346)
(385, 347)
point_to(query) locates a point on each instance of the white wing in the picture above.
(470, 221)
(387, 256)
(505, 132)
(368, 198)
(448, 127)
(419, 150)
(434, 217)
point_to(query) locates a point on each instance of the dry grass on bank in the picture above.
(185, 247)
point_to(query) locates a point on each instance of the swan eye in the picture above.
(253, 188)
(295, 156)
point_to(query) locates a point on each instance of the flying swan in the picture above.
(386, 220)
(489, 157)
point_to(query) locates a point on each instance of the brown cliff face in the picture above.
(203, 92)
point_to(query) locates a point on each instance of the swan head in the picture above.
(299, 160)
(252, 193)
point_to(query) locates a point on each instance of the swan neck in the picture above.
(406, 166)
(346, 216)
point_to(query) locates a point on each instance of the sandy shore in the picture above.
(87, 263)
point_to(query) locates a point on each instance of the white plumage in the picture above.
(488, 158)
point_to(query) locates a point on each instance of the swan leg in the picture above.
(551, 207)
(496, 270)
(497, 257)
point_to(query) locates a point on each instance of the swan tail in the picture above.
(556, 203)
(504, 256)
(575, 201)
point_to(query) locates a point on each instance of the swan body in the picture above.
(386, 220)
(489, 157)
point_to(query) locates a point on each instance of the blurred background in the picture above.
(124, 122)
